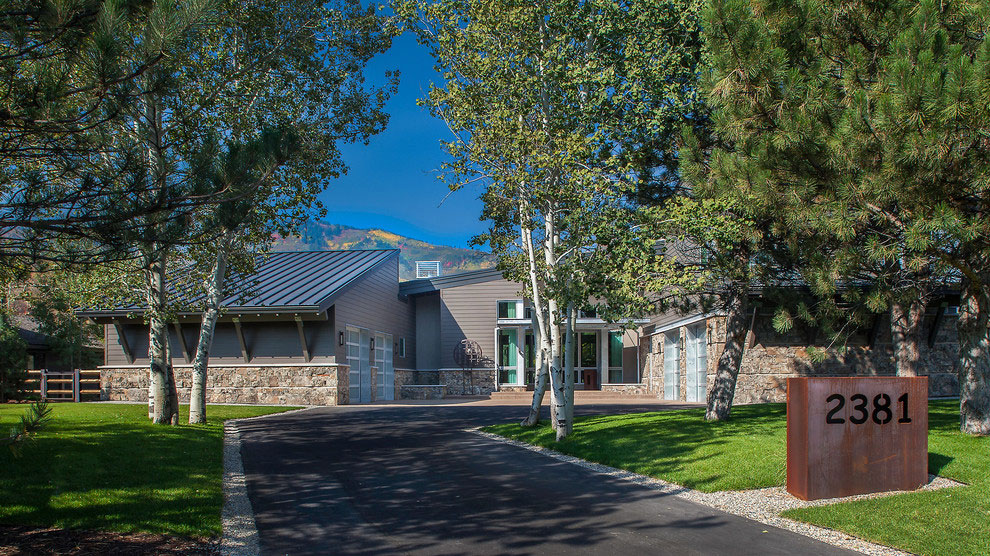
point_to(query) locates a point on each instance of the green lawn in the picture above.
(953, 521)
(749, 452)
(105, 466)
(679, 446)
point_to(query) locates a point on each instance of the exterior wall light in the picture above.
(340, 339)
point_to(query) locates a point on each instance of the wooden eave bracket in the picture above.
(939, 317)
(302, 339)
(240, 339)
(128, 353)
(182, 342)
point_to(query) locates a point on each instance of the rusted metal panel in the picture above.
(855, 435)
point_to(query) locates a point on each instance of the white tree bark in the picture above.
(569, 356)
(166, 400)
(541, 337)
(541, 379)
(211, 312)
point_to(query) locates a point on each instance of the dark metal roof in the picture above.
(425, 285)
(305, 281)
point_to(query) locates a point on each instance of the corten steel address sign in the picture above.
(849, 436)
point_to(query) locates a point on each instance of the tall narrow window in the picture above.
(615, 357)
(671, 366)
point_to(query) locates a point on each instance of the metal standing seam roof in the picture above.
(424, 285)
(305, 280)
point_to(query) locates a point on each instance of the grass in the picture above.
(750, 452)
(951, 521)
(745, 452)
(106, 467)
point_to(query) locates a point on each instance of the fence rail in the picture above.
(65, 386)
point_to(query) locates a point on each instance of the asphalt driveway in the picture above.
(409, 479)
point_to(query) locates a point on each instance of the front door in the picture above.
(589, 379)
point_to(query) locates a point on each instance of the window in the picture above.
(400, 348)
(508, 309)
(615, 357)
(672, 365)
(588, 314)
(528, 313)
(507, 348)
(530, 351)
(589, 350)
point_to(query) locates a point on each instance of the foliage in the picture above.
(859, 129)
(105, 467)
(13, 361)
(72, 70)
(563, 111)
(52, 302)
(33, 421)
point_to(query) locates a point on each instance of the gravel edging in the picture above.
(240, 535)
(763, 505)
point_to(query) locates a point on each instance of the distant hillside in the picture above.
(317, 235)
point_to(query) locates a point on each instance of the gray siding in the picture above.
(428, 331)
(267, 342)
(373, 303)
(470, 312)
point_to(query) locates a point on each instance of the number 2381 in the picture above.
(881, 413)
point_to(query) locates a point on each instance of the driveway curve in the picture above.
(409, 479)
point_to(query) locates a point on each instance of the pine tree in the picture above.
(861, 126)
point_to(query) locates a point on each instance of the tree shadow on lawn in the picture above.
(117, 476)
(748, 451)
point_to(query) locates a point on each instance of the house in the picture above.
(484, 308)
(680, 354)
(337, 327)
(314, 328)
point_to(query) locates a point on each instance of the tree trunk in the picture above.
(727, 370)
(906, 319)
(541, 379)
(974, 358)
(569, 357)
(166, 400)
(558, 390)
(214, 294)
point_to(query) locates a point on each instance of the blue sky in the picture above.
(392, 182)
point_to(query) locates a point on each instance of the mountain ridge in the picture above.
(317, 235)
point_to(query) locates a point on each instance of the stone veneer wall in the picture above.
(310, 385)
(476, 382)
(775, 357)
(629, 389)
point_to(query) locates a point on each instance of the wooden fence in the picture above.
(64, 386)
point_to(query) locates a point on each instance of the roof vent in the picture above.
(427, 269)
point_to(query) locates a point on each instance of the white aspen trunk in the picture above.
(540, 317)
(569, 356)
(166, 400)
(558, 388)
(214, 294)
(541, 379)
